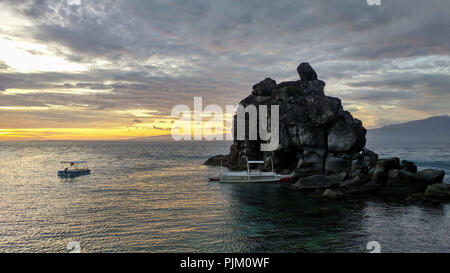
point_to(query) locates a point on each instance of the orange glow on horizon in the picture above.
(120, 133)
(137, 130)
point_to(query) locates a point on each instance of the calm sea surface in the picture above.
(155, 197)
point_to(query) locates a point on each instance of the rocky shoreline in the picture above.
(324, 146)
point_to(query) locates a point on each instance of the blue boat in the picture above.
(73, 168)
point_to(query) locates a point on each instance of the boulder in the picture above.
(399, 178)
(355, 173)
(336, 163)
(351, 186)
(356, 165)
(314, 87)
(351, 183)
(255, 100)
(369, 154)
(430, 176)
(333, 195)
(369, 157)
(286, 91)
(312, 159)
(264, 87)
(379, 175)
(313, 182)
(370, 187)
(389, 163)
(323, 110)
(306, 72)
(404, 182)
(298, 90)
(218, 160)
(301, 173)
(438, 191)
(309, 136)
(408, 166)
(347, 136)
(337, 179)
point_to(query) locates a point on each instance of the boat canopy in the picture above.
(75, 165)
(75, 162)
(255, 162)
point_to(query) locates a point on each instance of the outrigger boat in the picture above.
(253, 175)
(73, 168)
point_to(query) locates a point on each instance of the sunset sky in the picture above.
(114, 69)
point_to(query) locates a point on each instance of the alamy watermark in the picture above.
(373, 2)
(73, 247)
(261, 123)
(374, 247)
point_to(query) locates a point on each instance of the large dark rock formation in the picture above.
(322, 143)
(316, 134)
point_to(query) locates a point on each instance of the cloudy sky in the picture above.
(107, 69)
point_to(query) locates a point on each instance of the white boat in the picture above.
(73, 168)
(253, 175)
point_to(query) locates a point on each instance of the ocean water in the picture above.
(155, 197)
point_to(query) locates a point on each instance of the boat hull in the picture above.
(243, 177)
(73, 173)
(251, 181)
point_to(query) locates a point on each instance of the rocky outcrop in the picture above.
(323, 145)
(218, 160)
(316, 134)
(438, 192)
(402, 182)
(318, 181)
(430, 176)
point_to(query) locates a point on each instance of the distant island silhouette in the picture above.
(434, 129)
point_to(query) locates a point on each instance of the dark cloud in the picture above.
(162, 53)
(135, 90)
(373, 95)
(343, 29)
(424, 84)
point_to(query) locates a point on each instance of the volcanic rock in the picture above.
(321, 144)
(430, 176)
(438, 191)
(313, 182)
(409, 166)
(306, 72)
(264, 87)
